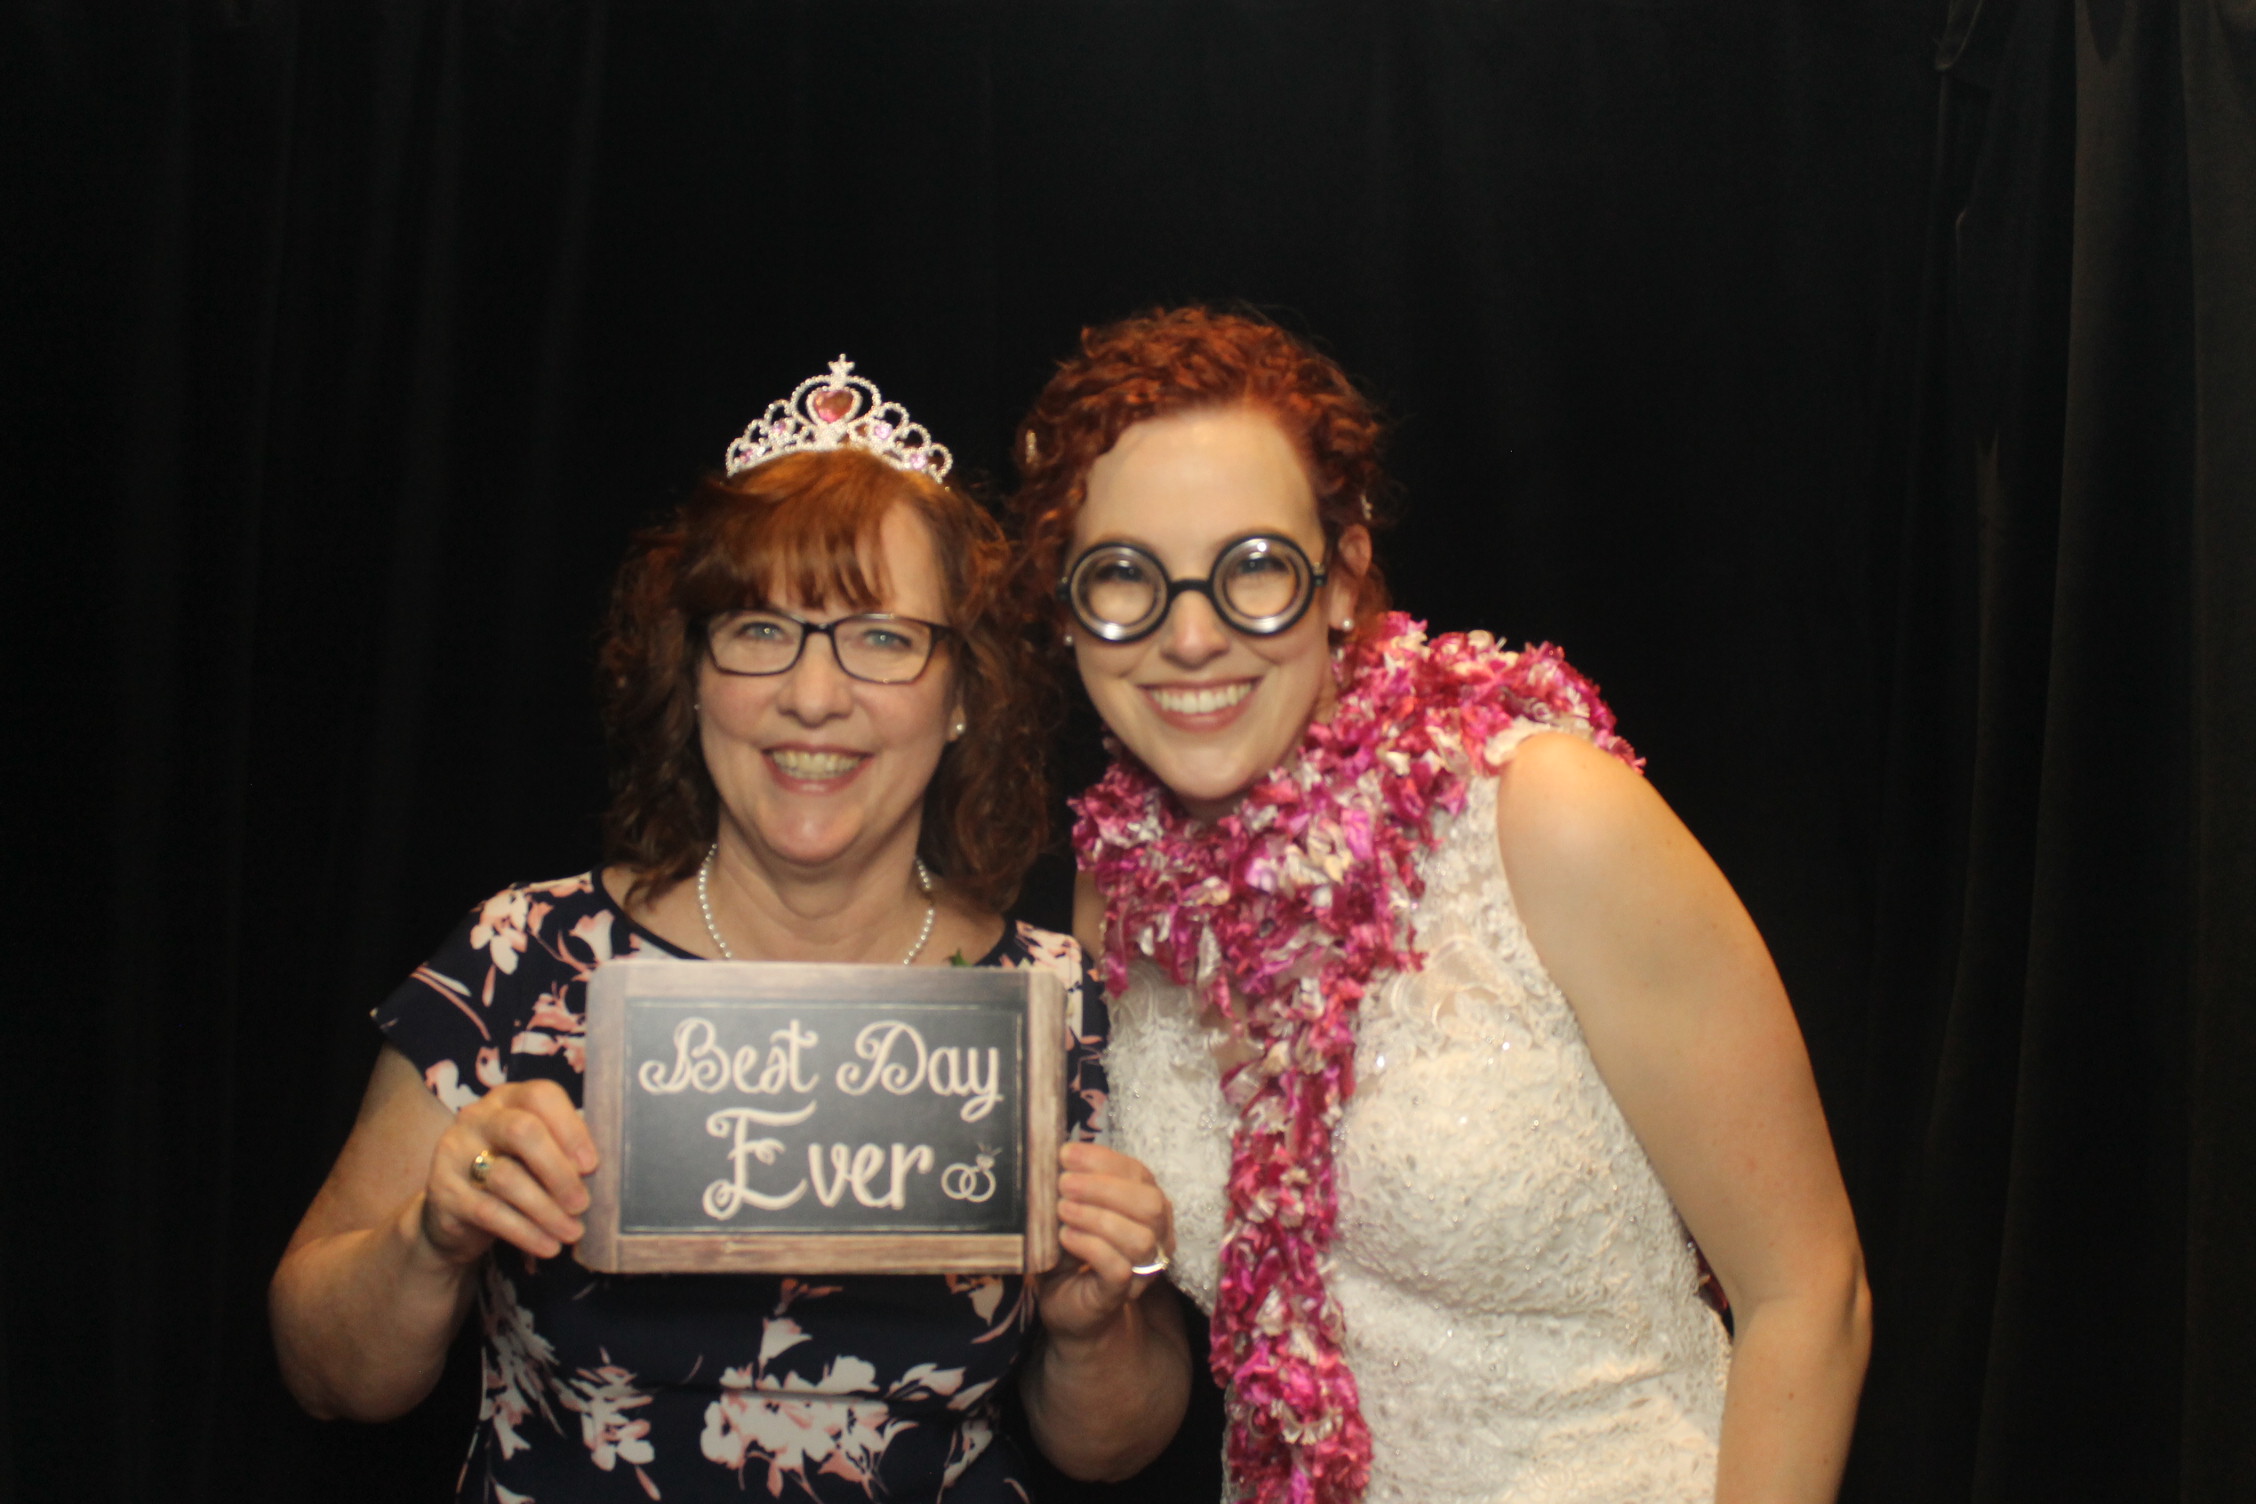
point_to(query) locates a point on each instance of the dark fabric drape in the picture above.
(1880, 438)
(2066, 908)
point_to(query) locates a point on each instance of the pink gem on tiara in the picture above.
(820, 414)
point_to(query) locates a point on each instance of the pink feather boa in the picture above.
(1282, 913)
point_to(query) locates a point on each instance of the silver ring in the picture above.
(1158, 1265)
(481, 1166)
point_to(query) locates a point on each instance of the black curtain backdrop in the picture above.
(1864, 393)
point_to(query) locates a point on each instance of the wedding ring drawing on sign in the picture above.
(1259, 586)
(972, 1182)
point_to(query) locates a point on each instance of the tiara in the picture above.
(840, 411)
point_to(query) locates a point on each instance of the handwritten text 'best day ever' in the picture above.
(890, 1055)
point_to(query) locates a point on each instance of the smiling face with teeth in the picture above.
(1209, 709)
(818, 771)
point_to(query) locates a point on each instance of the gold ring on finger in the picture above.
(1158, 1264)
(481, 1166)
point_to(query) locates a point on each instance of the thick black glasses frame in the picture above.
(807, 629)
(1267, 626)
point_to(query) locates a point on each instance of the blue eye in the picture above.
(887, 636)
(761, 629)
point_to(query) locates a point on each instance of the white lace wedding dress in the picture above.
(1521, 1302)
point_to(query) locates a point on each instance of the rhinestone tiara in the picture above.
(840, 410)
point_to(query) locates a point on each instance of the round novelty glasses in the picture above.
(876, 647)
(1259, 586)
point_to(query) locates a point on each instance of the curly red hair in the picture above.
(1181, 360)
(808, 521)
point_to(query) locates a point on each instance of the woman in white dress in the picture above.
(1453, 1048)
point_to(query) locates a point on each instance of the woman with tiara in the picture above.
(1454, 1050)
(824, 750)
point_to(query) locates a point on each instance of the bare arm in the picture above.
(1106, 1385)
(1691, 1029)
(382, 1268)
(1088, 916)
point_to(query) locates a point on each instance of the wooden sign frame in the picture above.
(1033, 993)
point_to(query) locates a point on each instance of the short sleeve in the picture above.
(1087, 1022)
(431, 1018)
(503, 999)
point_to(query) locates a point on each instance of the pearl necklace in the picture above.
(705, 907)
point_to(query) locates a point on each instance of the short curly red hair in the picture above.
(1181, 360)
(807, 521)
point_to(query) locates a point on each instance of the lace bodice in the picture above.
(1521, 1302)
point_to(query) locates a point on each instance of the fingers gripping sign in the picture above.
(1119, 1230)
(510, 1167)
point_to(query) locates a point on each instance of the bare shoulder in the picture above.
(1569, 814)
(1621, 902)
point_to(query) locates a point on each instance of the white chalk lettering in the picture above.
(790, 1042)
(875, 1044)
(857, 1170)
(955, 1073)
(896, 1059)
(849, 1166)
(783, 1070)
(723, 1197)
(905, 1161)
(698, 1062)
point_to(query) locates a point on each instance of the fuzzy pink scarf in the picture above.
(1282, 913)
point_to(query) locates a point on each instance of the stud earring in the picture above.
(1067, 639)
(958, 729)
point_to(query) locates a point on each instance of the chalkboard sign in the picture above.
(766, 1116)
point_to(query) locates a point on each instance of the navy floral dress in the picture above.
(710, 1386)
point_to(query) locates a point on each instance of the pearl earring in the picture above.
(958, 729)
(1067, 639)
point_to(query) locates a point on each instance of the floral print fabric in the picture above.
(688, 1387)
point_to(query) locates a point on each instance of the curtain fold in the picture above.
(2218, 43)
(1883, 437)
(2054, 939)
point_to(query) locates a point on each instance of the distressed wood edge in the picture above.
(818, 1253)
(601, 1086)
(657, 977)
(1045, 1115)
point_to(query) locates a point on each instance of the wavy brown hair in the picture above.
(1181, 360)
(805, 524)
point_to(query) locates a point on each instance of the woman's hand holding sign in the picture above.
(1119, 1228)
(1109, 1353)
(509, 1167)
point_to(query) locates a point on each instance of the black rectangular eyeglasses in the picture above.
(876, 647)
